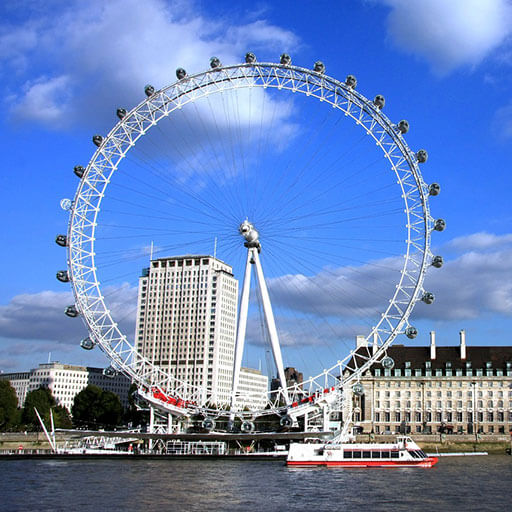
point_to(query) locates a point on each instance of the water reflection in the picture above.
(458, 483)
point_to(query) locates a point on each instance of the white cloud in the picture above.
(473, 284)
(449, 33)
(480, 241)
(350, 292)
(502, 122)
(98, 56)
(40, 316)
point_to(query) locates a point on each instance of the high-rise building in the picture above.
(186, 321)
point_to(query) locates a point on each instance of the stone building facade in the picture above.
(452, 389)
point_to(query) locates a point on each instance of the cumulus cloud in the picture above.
(40, 316)
(111, 50)
(449, 34)
(471, 284)
(480, 241)
(349, 292)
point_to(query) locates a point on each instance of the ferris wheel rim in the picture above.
(115, 346)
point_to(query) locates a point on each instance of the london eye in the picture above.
(274, 170)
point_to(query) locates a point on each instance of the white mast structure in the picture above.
(251, 235)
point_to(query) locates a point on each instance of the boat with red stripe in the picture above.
(404, 452)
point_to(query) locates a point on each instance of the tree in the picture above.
(94, 408)
(8, 405)
(61, 417)
(43, 400)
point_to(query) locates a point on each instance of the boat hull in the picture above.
(425, 463)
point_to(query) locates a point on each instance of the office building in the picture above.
(65, 381)
(186, 321)
(438, 389)
(252, 389)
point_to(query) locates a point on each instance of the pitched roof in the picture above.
(498, 356)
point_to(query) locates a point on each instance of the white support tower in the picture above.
(253, 245)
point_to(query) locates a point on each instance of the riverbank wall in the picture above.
(432, 443)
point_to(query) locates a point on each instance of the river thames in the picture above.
(481, 483)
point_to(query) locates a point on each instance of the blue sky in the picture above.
(444, 66)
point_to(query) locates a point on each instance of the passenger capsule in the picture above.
(149, 90)
(437, 261)
(379, 101)
(63, 276)
(66, 204)
(428, 298)
(387, 363)
(61, 240)
(215, 63)
(250, 58)
(79, 171)
(403, 126)
(285, 60)
(208, 424)
(97, 139)
(411, 332)
(351, 81)
(181, 73)
(87, 344)
(319, 67)
(286, 421)
(358, 389)
(109, 372)
(434, 189)
(247, 426)
(121, 113)
(71, 311)
(440, 225)
(422, 156)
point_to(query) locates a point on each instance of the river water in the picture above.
(482, 483)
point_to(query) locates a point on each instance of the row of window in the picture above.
(459, 372)
(440, 417)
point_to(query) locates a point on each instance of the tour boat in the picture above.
(402, 453)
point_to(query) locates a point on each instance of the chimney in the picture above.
(361, 341)
(462, 344)
(432, 345)
(375, 346)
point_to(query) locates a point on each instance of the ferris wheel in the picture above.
(293, 173)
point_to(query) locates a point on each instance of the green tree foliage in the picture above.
(42, 399)
(95, 408)
(61, 417)
(8, 406)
